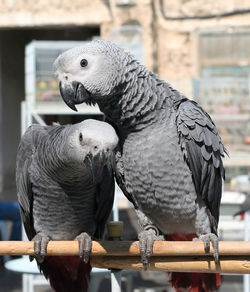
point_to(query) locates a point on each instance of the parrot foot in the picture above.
(85, 246)
(147, 238)
(207, 238)
(40, 246)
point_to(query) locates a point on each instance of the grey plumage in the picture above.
(169, 158)
(65, 181)
(244, 207)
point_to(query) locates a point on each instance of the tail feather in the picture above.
(195, 282)
(66, 273)
(192, 282)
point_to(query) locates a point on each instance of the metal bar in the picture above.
(38, 118)
(116, 280)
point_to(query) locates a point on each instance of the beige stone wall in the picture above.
(23, 13)
(201, 7)
(142, 13)
(177, 41)
(170, 46)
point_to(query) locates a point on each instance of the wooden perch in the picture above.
(181, 256)
(128, 248)
(227, 265)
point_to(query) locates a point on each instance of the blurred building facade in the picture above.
(182, 40)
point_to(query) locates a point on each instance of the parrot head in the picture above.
(90, 138)
(90, 72)
(90, 143)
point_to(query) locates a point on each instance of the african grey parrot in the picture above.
(244, 207)
(65, 190)
(168, 162)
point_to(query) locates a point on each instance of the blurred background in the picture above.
(202, 48)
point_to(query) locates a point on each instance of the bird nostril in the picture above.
(65, 76)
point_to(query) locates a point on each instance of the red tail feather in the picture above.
(192, 282)
(67, 273)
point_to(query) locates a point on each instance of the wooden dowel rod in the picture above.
(128, 248)
(227, 265)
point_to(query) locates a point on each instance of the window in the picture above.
(225, 72)
(223, 89)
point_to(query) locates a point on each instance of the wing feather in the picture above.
(25, 152)
(203, 151)
(104, 200)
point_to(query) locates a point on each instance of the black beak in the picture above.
(97, 164)
(73, 93)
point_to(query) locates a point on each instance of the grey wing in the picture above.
(25, 152)
(104, 200)
(203, 149)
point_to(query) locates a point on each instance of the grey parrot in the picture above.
(169, 157)
(244, 207)
(65, 186)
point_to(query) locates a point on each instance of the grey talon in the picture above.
(207, 238)
(85, 246)
(146, 240)
(40, 246)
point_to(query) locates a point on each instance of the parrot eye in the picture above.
(80, 137)
(84, 63)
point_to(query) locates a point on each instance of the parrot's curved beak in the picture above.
(73, 93)
(97, 163)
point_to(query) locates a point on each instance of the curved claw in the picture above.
(40, 246)
(207, 238)
(85, 246)
(146, 240)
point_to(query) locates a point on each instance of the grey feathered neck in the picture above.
(139, 97)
